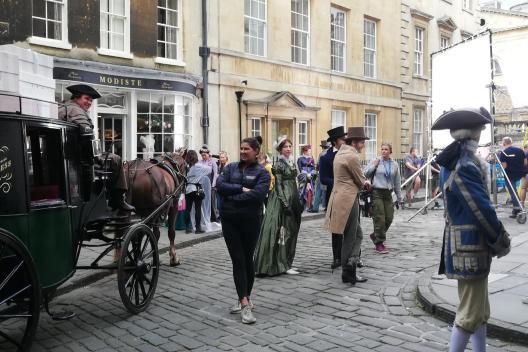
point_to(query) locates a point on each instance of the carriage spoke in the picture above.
(10, 339)
(131, 289)
(144, 246)
(130, 257)
(10, 316)
(148, 281)
(136, 289)
(10, 275)
(148, 255)
(130, 278)
(143, 289)
(15, 294)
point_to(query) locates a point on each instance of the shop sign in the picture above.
(121, 81)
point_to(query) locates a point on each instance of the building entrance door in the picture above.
(281, 128)
(111, 132)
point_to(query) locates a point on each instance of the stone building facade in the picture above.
(135, 53)
(427, 27)
(304, 66)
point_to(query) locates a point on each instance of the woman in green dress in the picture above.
(278, 235)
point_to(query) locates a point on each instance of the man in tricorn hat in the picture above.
(76, 110)
(336, 136)
(473, 233)
(342, 215)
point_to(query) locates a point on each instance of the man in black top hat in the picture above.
(76, 110)
(336, 136)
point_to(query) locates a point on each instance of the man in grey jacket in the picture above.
(76, 110)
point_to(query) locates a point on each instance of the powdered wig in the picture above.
(467, 133)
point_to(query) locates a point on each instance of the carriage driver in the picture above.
(76, 110)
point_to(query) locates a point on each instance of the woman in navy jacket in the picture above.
(243, 187)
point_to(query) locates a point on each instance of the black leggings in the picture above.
(241, 237)
(191, 198)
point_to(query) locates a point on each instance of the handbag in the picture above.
(366, 196)
(200, 193)
(181, 203)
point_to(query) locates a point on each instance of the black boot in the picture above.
(349, 274)
(117, 201)
(336, 263)
(337, 241)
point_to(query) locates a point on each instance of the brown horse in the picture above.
(149, 184)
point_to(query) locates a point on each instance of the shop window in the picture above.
(371, 145)
(163, 123)
(50, 23)
(45, 166)
(255, 27)
(169, 19)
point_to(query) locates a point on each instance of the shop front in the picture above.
(141, 113)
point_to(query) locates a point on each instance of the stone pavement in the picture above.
(312, 311)
(84, 277)
(508, 284)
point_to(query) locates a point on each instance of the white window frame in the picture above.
(300, 31)
(338, 114)
(466, 5)
(302, 136)
(368, 49)
(178, 61)
(419, 34)
(334, 59)
(445, 42)
(126, 35)
(62, 43)
(249, 22)
(371, 130)
(418, 118)
(254, 130)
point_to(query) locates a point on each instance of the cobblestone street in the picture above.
(312, 311)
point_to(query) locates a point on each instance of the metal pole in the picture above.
(204, 52)
(418, 171)
(492, 111)
(239, 94)
(425, 206)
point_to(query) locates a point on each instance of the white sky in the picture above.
(506, 4)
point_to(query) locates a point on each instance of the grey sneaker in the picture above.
(247, 315)
(237, 308)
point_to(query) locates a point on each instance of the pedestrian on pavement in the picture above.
(385, 175)
(435, 178)
(473, 233)
(306, 165)
(278, 236)
(195, 191)
(205, 153)
(264, 162)
(524, 179)
(320, 189)
(336, 136)
(513, 161)
(411, 165)
(243, 187)
(342, 216)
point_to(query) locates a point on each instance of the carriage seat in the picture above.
(46, 195)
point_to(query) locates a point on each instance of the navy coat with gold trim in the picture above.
(473, 233)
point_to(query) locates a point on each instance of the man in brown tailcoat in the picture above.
(342, 216)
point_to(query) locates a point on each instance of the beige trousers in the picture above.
(474, 308)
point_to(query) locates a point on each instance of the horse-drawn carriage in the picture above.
(49, 210)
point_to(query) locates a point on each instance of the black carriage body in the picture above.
(40, 191)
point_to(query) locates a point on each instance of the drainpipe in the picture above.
(204, 52)
(239, 94)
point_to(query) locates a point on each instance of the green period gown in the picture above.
(278, 235)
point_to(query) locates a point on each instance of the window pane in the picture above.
(54, 30)
(119, 7)
(39, 8)
(39, 28)
(172, 18)
(155, 123)
(118, 25)
(143, 123)
(118, 42)
(172, 4)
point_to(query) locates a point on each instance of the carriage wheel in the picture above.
(19, 294)
(138, 268)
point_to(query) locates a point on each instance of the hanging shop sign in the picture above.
(121, 81)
